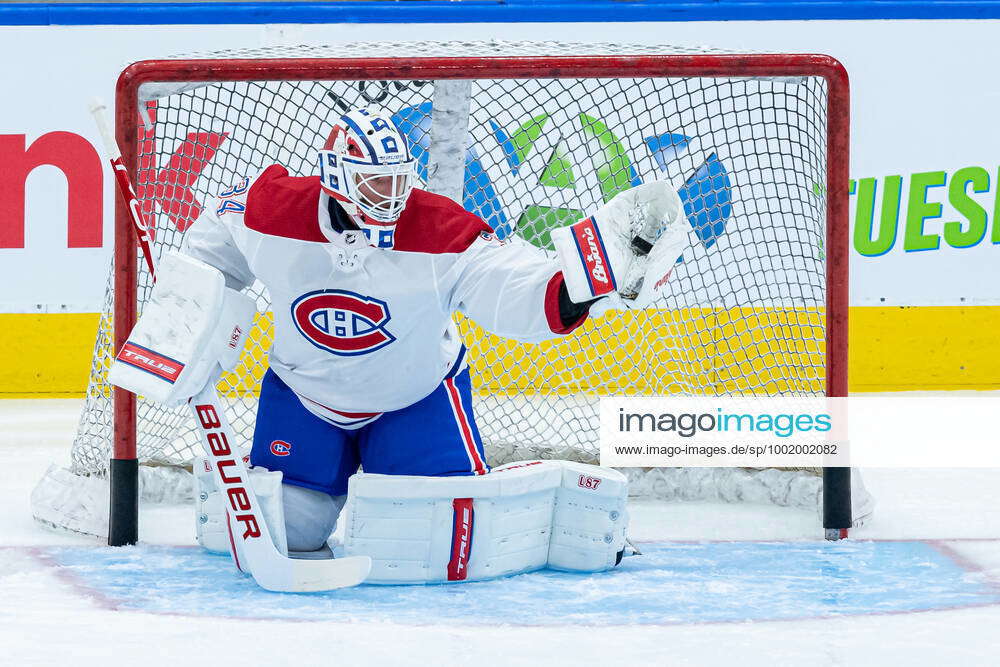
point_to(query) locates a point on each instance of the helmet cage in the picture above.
(350, 163)
(358, 185)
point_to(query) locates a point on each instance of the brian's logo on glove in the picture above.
(342, 322)
(591, 247)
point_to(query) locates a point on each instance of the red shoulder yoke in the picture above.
(434, 224)
(283, 205)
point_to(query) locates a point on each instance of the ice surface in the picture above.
(720, 584)
(672, 583)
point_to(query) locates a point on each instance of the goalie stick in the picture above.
(250, 540)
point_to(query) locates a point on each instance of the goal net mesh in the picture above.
(744, 308)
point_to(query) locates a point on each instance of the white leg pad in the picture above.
(210, 510)
(519, 518)
(590, 519)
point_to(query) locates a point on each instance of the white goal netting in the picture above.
(529, 146)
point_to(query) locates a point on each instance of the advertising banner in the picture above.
(924, 192)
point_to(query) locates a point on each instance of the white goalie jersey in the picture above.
(364, 326)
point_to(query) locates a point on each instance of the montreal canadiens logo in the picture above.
(281, 448)
(342, 322)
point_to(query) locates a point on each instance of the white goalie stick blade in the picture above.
(251, 544)
(275, 572)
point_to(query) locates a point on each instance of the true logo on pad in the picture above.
(461, 539)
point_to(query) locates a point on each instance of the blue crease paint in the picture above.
(672, 583)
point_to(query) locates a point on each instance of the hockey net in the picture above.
(529, 137)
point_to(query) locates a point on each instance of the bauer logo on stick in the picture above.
(342, 322)
(241, 501)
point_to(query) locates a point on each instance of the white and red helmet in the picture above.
(366, 165)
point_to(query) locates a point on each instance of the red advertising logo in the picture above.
(80, 164)
(168, 187)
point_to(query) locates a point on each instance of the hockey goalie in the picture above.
(367, 370)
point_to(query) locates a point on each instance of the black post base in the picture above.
(836, 502)
(123, 524)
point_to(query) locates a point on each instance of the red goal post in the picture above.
(646, 65)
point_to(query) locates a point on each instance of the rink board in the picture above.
(48, 356)
(672, 583)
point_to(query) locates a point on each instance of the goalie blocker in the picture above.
(192, 325)
(519, 518)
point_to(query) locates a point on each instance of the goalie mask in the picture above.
(366, 165)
